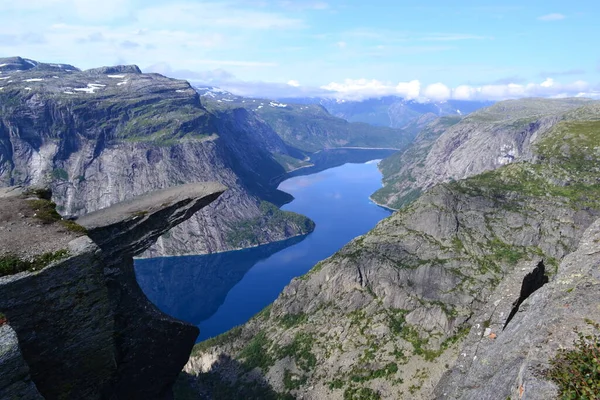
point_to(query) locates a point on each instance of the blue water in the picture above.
(219, 291)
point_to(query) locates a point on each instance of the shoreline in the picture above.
(381, 205)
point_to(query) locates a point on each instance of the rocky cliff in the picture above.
(447, 298)
(451, 149)
(74, 324)
(102, 136)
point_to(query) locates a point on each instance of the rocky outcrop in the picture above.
(418, 307)
(85, 330)
(512, 365)
(102, 136)
(451, 149)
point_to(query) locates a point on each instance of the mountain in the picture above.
(392, 111)
(468, 292)
(308, 127)
(450, 148)
(101, 136)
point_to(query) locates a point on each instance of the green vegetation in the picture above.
(530, 180)
(224, 338)
(45, 211)
(220, 389)
(363, 393)
(291, 381)
(183, 390)
(60, 174)
(300, 351)
(256, 354)
(3, 319)
(250, 232)
(290, 320)
(576, 372)
(11, 264)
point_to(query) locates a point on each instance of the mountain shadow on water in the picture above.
(192, 288)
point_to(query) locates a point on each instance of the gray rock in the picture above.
(84, 327)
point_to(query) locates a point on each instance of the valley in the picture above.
(220, 291)
(255, 237)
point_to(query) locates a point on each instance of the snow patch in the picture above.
(259, 107)
(116, 76)
(458, 111)
(3, 65)
(4, 78)
(28, 88)
(67, 92)
(91, 87)
(275, 104)
(180, 91)
(31, 63)
(33, 80)
(121, 83)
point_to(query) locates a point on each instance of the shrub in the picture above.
(576, 372)
(11, 264)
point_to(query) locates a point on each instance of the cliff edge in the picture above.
(74, 323)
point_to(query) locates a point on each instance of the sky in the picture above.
(426, 50)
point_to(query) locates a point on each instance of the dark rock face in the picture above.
(84, 327)
(15, 381)
(532, 282)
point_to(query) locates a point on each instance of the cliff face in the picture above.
(102, 136)
(78, 325)
(452, 149)
(437, 300)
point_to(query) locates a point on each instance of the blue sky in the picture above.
(344, 48)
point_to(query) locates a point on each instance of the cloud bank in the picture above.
(359, 89)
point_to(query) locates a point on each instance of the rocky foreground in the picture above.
(74, 323)
(466, 292)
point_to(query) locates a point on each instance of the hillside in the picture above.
(309, 127)
(104, 135)
(468, 292)
(451, 149)
(391, 111)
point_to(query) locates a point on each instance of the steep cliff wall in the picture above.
(102, 136)
(84, 328)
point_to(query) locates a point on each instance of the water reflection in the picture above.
(192, 288)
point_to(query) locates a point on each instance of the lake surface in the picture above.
(219, 291)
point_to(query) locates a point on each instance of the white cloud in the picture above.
(437, 91)
(360, 88)
(357, 89)
(341, 45)
(552, 17)
(294, 83)
(409, 90)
